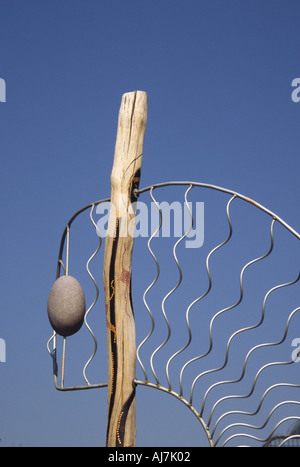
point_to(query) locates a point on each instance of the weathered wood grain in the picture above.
(121, 342)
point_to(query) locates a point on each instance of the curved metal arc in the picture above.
(184, 401)
(224, 190)
(67, 228)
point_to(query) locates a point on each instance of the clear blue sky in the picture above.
(218, 75)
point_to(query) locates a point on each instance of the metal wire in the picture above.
(246, 360)
(288, 439)
(224, 190)
(245, 413)
(214, 435)
(64, 267)
(217, 314)
(164, 302)
(189, 369)
(95, 300)
(146, 292)
(235, 333)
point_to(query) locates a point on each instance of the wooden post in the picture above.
(121, 342)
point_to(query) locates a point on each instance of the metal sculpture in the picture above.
(212, 338)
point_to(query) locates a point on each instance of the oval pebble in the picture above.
(66, 306)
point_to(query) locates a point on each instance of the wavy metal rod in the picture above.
(252, 350)
(242, 412)
(95, 299)
(254, 427)
(240, 330)
(207, 291)
(259, 346)
(163, 306)
(287, 439)
(187, 317)
(261, 440)
(268, 365)
(148, 290)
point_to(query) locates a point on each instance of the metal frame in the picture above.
(65, 243)
(209, 430)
